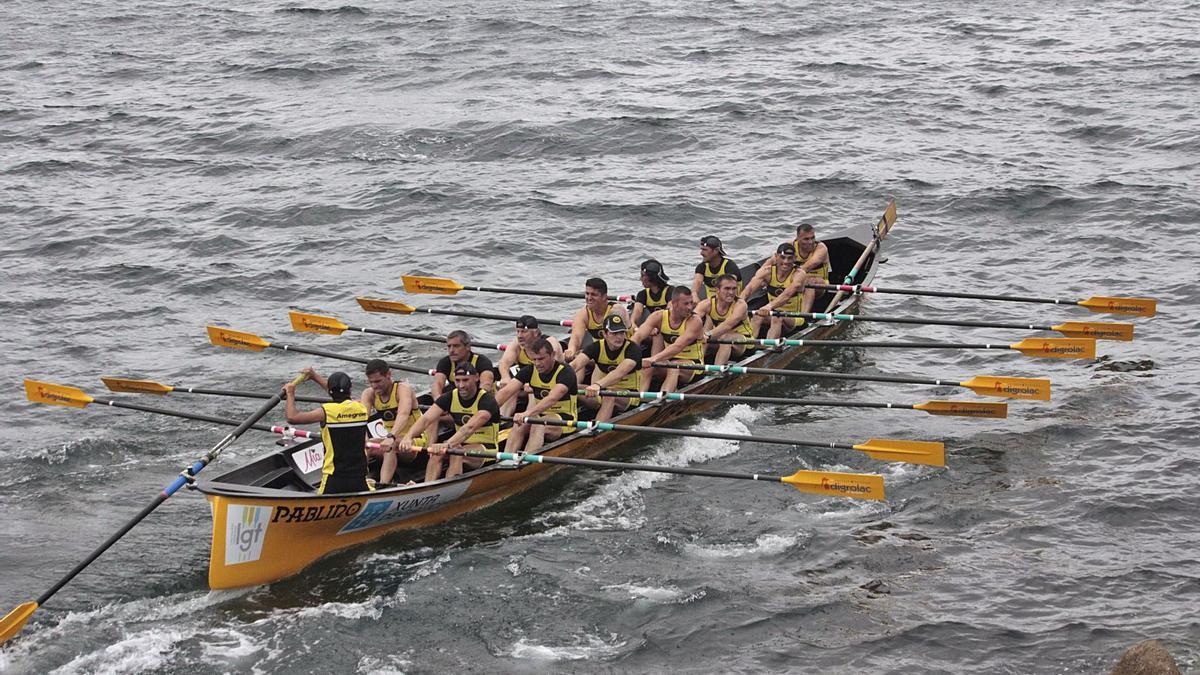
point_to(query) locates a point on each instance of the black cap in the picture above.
(615, 324)
(339, 384)
(711, 242)
(654, 270)
(527, 321)
(465, 368)
(786, 247)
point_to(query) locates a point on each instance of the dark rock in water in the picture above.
(1146, 658)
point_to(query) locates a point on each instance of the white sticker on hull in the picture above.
(245, 530)
(379, 512)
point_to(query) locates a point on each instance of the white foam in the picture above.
(589, 647)
(229, 645)
(394, 665)
(663, 594)
(764, 545)
(138, 652)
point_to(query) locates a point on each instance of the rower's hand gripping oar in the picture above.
(884, 449)
(1045, 348)
(393, 307)
(1096, 330)
(12, 623)
(441, 286)
(1025, 388)
(236, 339)
(327, 325)
(825, 483)
(1097, 303)
(949, 408)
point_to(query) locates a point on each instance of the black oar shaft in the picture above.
(663, 431)
(760, 399)
(163, 496)
(341, 357)
(240, 394)
(866, 343)
(816, 374)
(625, 466)
(410, 336)
(480, 315)
(941, 294)
(185, 415)
(919, 322)
(520, 291)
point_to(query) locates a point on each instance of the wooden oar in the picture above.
(883, 449)
(1097, 330)
(882, 228)
(1096, 303)
(236, 339)
(127, 386)
(441, 286)
(825, 483)
(327, 325)
(1025, 388)
(1046, 348)
(42, 392)
(392, 307)
(949, 408)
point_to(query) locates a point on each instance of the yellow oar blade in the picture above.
(236, 339)
(1130, 306)
(1057, 348)
(136, 386)
(1097, 330)
(431, 285)
(56, 394)
(385, 306)
(1024, 388)
(855, 485)
(315, 323)
(913, 452)
(14, 621)
(965, 409)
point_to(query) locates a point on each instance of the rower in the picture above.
(554, 396)
(476, 425)
(458, 350)
(653, 294)
(343, 432)
(617, 361)
(391, 408)
(589, 320)
(812, 257)
(516, 355)
(678, 334)
(712, 265)
(726, 316)
(783, 280)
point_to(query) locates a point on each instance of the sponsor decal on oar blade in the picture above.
(315, 323)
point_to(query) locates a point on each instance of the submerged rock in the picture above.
(1146, 658)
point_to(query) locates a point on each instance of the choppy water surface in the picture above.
(168, 165)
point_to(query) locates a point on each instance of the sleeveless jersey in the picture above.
(822, 271)
(692, 352)
(596, 328)
(344, 433)
(776, 287)
(710, 275)
(387, 411)
(566, 406)
(607, 362)
(461, 412)
(744, 329)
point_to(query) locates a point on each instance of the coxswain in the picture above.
(458, 350)
(553, 395)
(782, 280)
(812, 257)
(476, 419)
(343, 432)
(678, 335)
(713, 264)
(589, 320)
(618, 361)
(654, 291)
(516, 355)
(726, 316)
(391, 408)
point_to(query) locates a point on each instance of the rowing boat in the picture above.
(269, 523)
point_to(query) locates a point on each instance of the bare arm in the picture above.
(646, 330)
(578, 327)
(737, 314)
(296, 417)
(507, 360)
(694, 332)
(697, 282)
(817, 259)
(759, 280)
